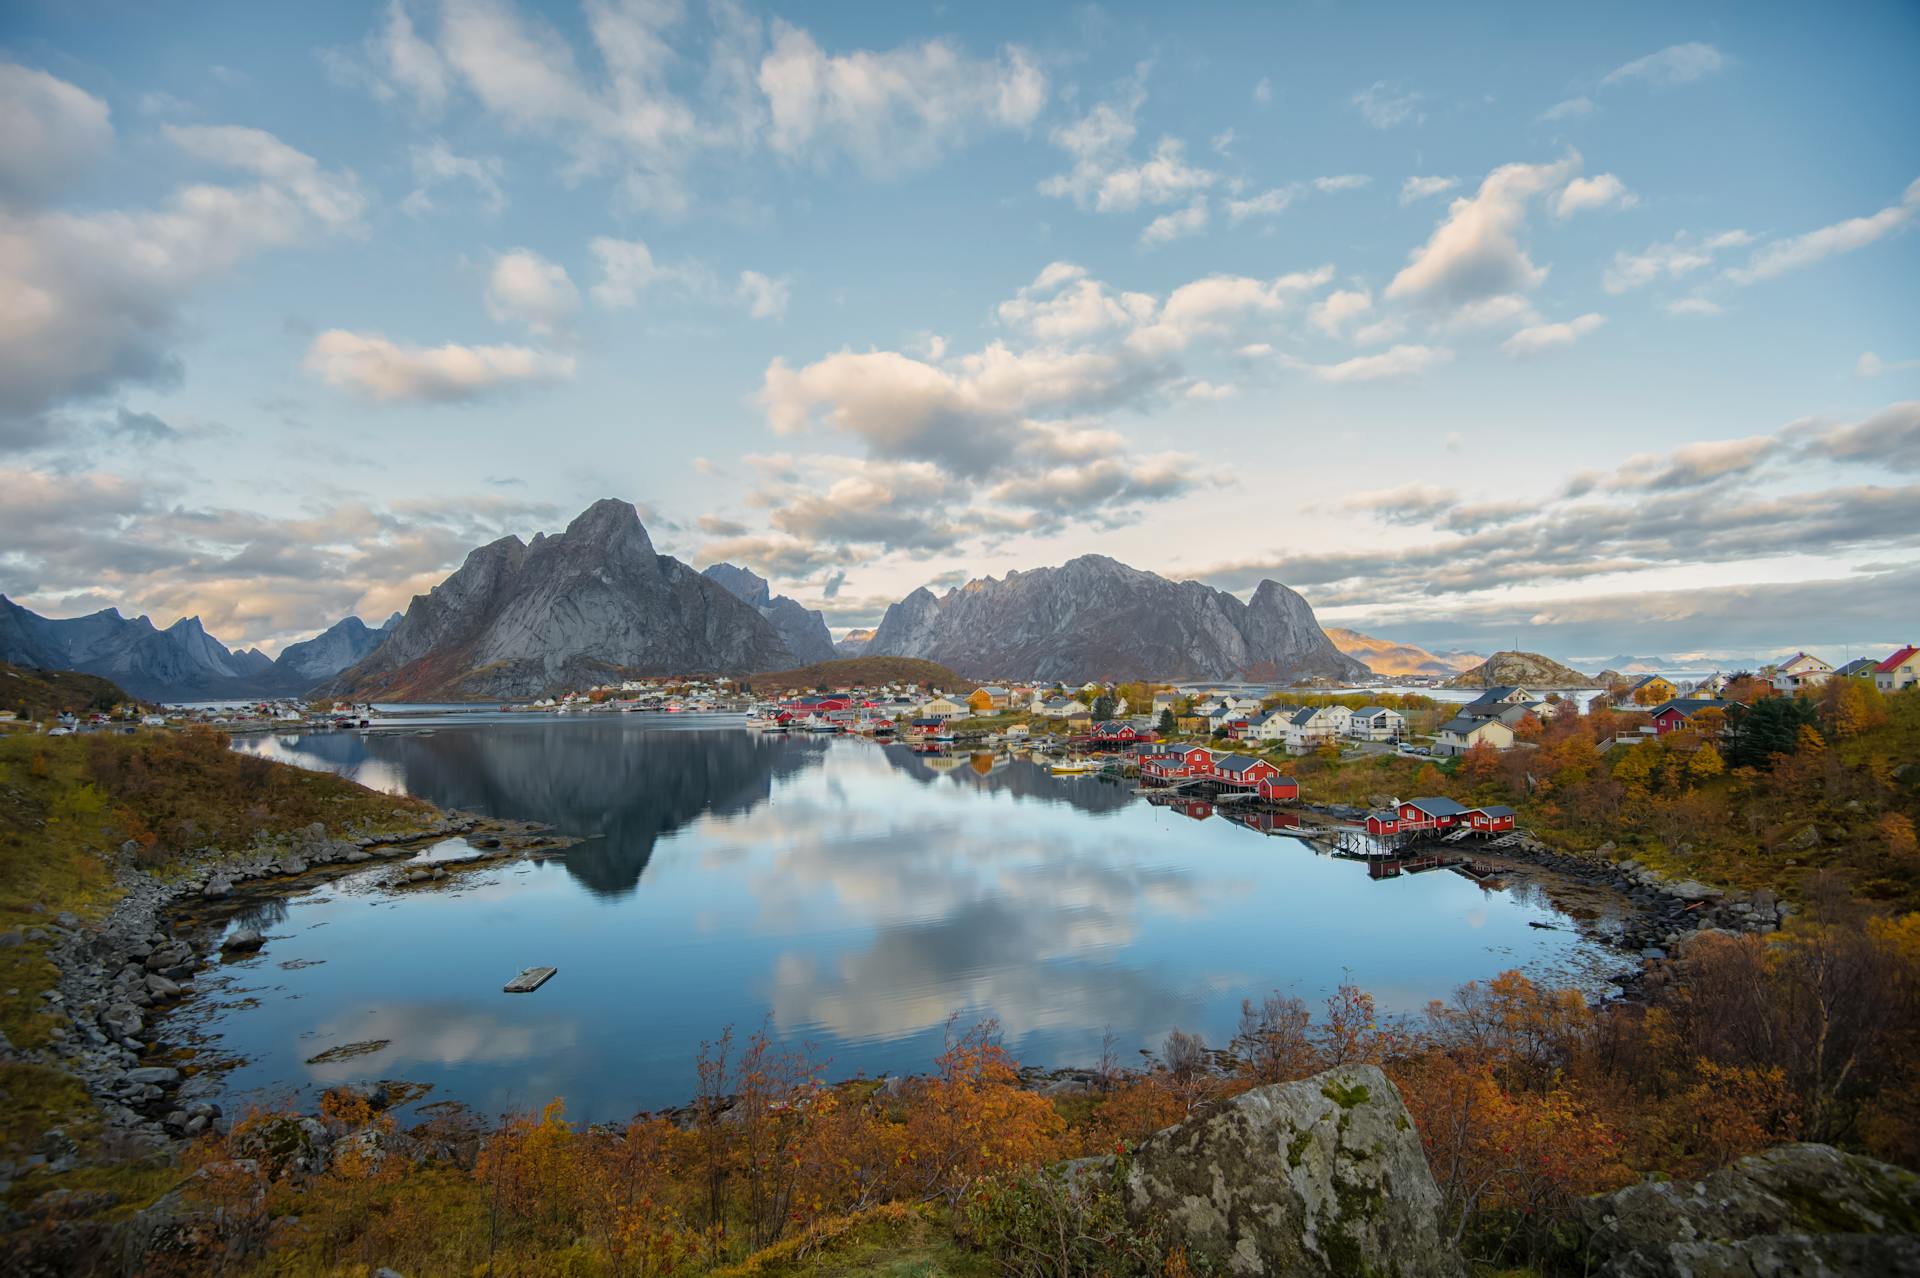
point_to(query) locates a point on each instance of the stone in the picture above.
(243, 941)
(220, 886)
(172, 954)
(153, 1076)
(356, 856)
(123, 1020)
(1794, 1210)
(1321, 1177)
(1692, 890)
(160, 987)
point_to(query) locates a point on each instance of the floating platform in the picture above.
(529, 981)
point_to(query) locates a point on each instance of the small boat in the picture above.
(1074, 767)
(529, 980)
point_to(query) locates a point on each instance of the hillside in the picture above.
(43, 694)
(846, 672)
(1385, 657)
(1523, 669)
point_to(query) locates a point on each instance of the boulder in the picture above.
(219, 886)
(153, 1076)
(243, 941)
(1320, 1177)
(1794, 1210)
(122, 1019)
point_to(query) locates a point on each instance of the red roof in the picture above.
(1897, 660)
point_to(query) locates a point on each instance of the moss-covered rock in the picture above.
(1320, 1177)
(1797, 1209)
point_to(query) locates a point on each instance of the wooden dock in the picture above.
(529, 980)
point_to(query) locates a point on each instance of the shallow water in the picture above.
(856, 896)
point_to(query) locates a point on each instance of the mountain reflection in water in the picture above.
(854, 894)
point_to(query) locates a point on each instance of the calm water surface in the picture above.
(857, 895)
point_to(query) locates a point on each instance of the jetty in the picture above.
(529, 980)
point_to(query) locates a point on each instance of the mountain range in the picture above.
(1385, 657)
(597, 603)
(182, 662)
(1094, 617)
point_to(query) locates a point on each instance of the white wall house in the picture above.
(1377, 723)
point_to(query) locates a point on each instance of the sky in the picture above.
(1595, 330)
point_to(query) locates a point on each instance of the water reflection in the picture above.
(858, 895)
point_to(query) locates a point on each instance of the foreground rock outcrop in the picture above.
(1797, 1210)
(1520, 669)
(1320, 1177)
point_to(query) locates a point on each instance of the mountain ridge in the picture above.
(1095, 617)
(1393, 658)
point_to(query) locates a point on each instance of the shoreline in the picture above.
(140, 960)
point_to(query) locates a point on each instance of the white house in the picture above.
(1062, 707)
(1457, 736)
(1309, 727)
(1901, 670)
(1801, 670)
(1376, 723)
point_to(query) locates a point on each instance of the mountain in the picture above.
(593, 603)
(1385, 657)
(1521, 669)
(182, 662)
(346, 642)
(803, 629)
(1094, 617)
(853, 643)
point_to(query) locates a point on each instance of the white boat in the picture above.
(1074, 767)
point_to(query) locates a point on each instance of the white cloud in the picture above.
(1177, 225)
(1062, 304)
(525, 288)
(1263, 91)
(1419, 188)
(895, 109)
(1385, 105)
(1680, 256)
(1341, 182)
(1397, 362)
(1871, 365)
(1541, 337)
(1201, 389)
(435, 165)
(1571, 109)
(1603, 190)
(627, 270)
(1502, 310)
(384, 371)
(1801, 251)
(1675, 64)
(1339, 308)
(1266, 204)
(94, 298)
(1692, 306)
(765, 297)
(55, 131)
(1476, 252)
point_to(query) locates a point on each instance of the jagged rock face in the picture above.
(179, 662)
(802, 629)
(592, 603)
(1094, 617)
(1521, 669)
(1321, 1177)
(345, 643)
(1794, 1210)
(853, 643)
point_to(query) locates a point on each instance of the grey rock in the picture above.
(1797, 1211)
(153, 1076)
(802, 629)
(122, 1019)
(1321, 1177)
(1096, 616)
(519, 618)
(243, 941)
(217, 887)
(172, 954)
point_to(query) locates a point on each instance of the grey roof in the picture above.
(1463, 724)
(1237, 763)
(1368, 712)
(1437, 806)
(1859, 665)
(1497, 810)
(1691, 706)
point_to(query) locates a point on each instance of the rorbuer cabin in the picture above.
(1243, 771)
(1430, 814)
(1494, 820)
(1279, 789)
(1379, 823)
(1194, 762)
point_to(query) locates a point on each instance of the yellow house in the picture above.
(988, 700)
(1652, 691)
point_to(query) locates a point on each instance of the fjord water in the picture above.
(856, 895)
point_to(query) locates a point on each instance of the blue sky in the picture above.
(1595, 327)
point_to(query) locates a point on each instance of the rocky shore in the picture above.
(119, 975)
